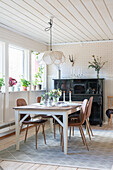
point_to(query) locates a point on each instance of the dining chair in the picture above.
(89, 129)
(79, 124)
(110, 109)
(75, 117)
(28, 121)
(49, 117)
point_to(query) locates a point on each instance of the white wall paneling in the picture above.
(1, 107)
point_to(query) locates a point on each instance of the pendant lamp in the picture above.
(52, 57)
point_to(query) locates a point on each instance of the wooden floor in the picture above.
(9, 165)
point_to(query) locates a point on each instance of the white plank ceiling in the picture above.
(74, 20)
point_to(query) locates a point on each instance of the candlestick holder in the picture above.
(70, 96)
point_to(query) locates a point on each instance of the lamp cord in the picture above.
(50, 29)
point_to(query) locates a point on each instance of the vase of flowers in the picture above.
(55, 95)
(12, 82)
(97, 64)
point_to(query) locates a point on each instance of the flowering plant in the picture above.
(12, 82)
(55, 93)
(97, 64)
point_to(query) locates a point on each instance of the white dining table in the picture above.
(38, 109)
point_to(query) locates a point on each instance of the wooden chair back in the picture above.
(89, 107)
(39, 99)
(110, 102)
(22, 102)
(83, 111)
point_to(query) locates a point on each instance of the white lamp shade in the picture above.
(52, 57)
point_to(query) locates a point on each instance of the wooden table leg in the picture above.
(17, 124)
(65, 132)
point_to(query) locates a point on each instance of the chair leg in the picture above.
(36, 134)
(111, 119)
(73, 130)
(54, 128)
(90, 127)
(44, 133)
(21, 128)
(87, 126)
(82, 135)
(26, 134)
(61, 137)
(108, 122)
(84, 138)
(62, 141)
(70, 133)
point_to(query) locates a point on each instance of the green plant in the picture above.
(25, 83)
(34, 82)
(36, 54)
(2, 82)
(38, 75)
(97, 64)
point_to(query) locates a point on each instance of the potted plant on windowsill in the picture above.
(1, 83)
(25, 83)
(34, 83)
(38, 78)
(12, 82)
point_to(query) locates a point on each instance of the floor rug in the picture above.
(99, 156)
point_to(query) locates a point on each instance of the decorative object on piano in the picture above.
(71, 60)
(25, 83)
(12, 82)
(97, 64)
(69, 96)
(63, 96)
(1, 83)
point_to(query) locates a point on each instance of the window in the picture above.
(35, 68)
(1, 60)
(16, 62)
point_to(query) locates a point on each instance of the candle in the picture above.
(69, 96)
(63, 96)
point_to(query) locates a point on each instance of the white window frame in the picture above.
(44, 78)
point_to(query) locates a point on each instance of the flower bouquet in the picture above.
(12, 82)
(97, 64)
(55, 94)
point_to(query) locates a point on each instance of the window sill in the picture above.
(26, 91)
